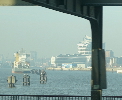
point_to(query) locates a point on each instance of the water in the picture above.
(60, 83)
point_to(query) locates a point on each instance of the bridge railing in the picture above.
(54, 97)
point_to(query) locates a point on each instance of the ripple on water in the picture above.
(60, 83)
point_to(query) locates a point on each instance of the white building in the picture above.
(84, 47)
(69, 61)
(53, 61)
(83, 58)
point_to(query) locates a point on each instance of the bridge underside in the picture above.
(88, 9)
(82, 2)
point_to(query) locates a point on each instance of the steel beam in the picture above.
(102, 2)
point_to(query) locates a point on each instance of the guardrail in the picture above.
(54, 97)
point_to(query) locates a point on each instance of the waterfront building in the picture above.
(33, 58)
(53, 61)
(111, 61)
(84, 47)
(45, 62)
(82, 59)
(69, 61)
(114, 61)
(119, 61)
(109, 53)
(1, 60)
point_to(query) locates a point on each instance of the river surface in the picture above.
(60, 83)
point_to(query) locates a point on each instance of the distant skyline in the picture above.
(51, 33)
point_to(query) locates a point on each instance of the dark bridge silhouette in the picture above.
(91, 10)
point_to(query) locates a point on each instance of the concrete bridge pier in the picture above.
(98, 72)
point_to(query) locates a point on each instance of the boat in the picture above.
(21, 63)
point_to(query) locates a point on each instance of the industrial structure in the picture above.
(80, 60)
(83, 58)
(21, 63)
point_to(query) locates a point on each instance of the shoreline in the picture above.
(81, 69)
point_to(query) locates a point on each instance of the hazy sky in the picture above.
(51, 33)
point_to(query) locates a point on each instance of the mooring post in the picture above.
(43, 77)
(11, 81)
(26, 80)
(98, 72)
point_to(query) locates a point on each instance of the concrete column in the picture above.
(96, 26)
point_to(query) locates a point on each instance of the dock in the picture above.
(119, 71)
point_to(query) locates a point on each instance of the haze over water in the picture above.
(51, 33)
